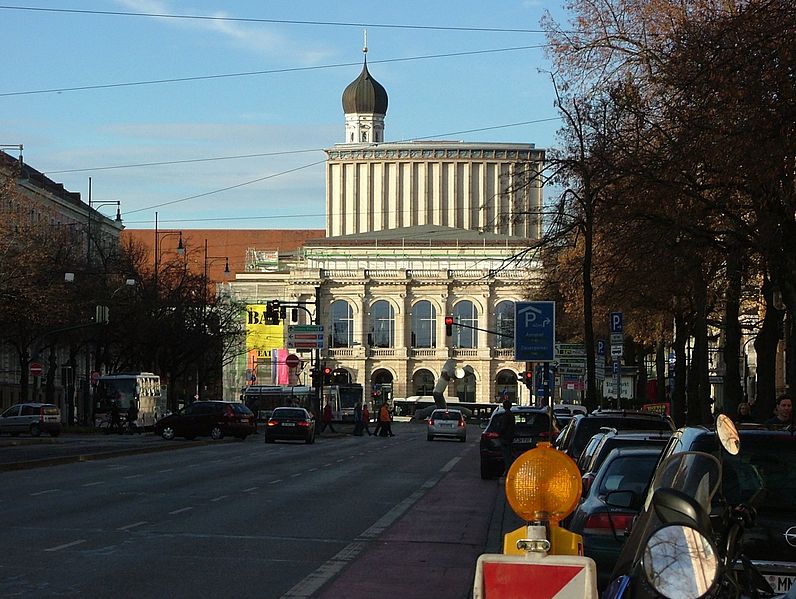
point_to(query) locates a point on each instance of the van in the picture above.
(33, 418)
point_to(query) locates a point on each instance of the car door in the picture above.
(9, 420)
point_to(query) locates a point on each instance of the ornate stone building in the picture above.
(415, 231)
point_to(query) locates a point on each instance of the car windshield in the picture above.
(627, 473)
(239, 408)
(525, 422)
(588, 427)
(288, 414)
(444, 415)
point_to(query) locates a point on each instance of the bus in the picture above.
(262, 399)
(343, 398)
(143, 388)
(418, 407)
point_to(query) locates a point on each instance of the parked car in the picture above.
(601, 444)
(446, 423)
(763, 475)
(603, 526)
(203, 418)
(290, 424)
(565, 411)
(532, 425)
(33, 418)
(582, 427)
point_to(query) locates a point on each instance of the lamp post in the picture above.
(91, 206)
(207, 261)
(158, 237)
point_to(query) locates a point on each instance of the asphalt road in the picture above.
(347, 516)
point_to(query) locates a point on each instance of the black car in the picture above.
(290, 424)
(531, 426)
(582, 427)
(603, 526)
(763, 475)
(208, 418)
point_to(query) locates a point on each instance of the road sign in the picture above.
(617, 351)
(292, 361)
(305, 336)
(550, 577)
(534, 331)
(615, 322)
(615, 367)
(600, 347)
(36, 369)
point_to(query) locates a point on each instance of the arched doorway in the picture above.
(423, 382)
(506, 386)
(381, 385)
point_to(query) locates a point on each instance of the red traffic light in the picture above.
(327, 371)
(448, 326)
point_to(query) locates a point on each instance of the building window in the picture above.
(382, 323)
(466, 336)
(465, 387)
(506, 384)
(342, 321)
(424, 325)
(423, 382)
(504, 324)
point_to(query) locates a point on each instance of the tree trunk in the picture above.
(588, 315)
(52, 366)
(660, 371)
(680, 370)
(733, 390)
(766, 344)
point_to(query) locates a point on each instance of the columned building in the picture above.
(415, 231)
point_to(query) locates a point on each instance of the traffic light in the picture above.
(340, 376)
(448, 326)
(527, 378)
(272, 312)
(327, 375)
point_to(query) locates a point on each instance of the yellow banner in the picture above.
(262, 337)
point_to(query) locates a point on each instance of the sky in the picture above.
(220, 122)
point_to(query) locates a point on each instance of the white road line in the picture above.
(129, 526)
(219, 498)
(99, 482)
(215, 461)
(295, 475)
(273, 482)
(327, 465)
(166, 470)
(134, 476)
(65, 545)
(44, 492)
(449, 466)
(312, 470)
(249, 490)
(181, 510)
(340, 460)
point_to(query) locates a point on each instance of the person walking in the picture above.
(366, 419)
(116, 418)
(326, 418)
(385, 420)
(132, 417)
(505, 431)
(358, 419)
(783, 412)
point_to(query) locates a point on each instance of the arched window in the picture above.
(465, 313)
(504, 324)
(423, 382)
(382, 324)
(424, 325)
(341, 318)
(506, 385)
(465, 387)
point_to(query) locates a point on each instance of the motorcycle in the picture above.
(685, 547)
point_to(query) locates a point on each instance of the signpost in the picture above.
(616, 326)
(305, 336)
(36, 369)
(534, 331)
(550, 577)
(292, 361)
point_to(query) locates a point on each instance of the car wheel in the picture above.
(167, 433)
(216, 432)
(35, 430)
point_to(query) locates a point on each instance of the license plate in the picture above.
(522, 439)
(446, 425)
(780, 583)
(288, 424)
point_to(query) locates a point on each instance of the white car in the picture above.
(447, 423)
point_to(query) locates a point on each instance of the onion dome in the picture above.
(365, 95)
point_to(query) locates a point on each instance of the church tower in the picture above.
(364, 105)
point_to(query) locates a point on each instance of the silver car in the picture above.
(33, 418)
(447, 423)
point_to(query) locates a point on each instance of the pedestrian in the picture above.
(132, 417)
(505, 431)
(744, 413)
(358, 419)
(783, 412)
(385, 420)
(326, 418)
(366, 419)
(116, 420)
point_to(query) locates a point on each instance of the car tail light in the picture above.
(303, 423)
(273, 422)
(489, 436)
(461, 423)
(608, 523)
(431, 422)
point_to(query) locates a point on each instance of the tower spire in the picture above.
(365, 47)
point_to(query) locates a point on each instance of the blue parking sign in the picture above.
(534, 331)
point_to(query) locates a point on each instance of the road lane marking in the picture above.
(129, 526)
(181, 510)
(99, 482)
(273, 482)
(449, 466)
(166, 470)
(249, 490)
(44, 492)
(219, 498)
(134, 476)
(295, 475)
(312, 470)
(65, 545)
(327, 465)
(340, 460)
(215, 461)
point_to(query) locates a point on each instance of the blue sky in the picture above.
(285, 114)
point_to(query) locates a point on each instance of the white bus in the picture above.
(124, 388)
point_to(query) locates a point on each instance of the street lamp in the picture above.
(207, 261)
(91, 206)
(158, 237)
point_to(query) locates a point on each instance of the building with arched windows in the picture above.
(415, 231)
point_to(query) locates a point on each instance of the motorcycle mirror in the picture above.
(679, 562)
(728, 434)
